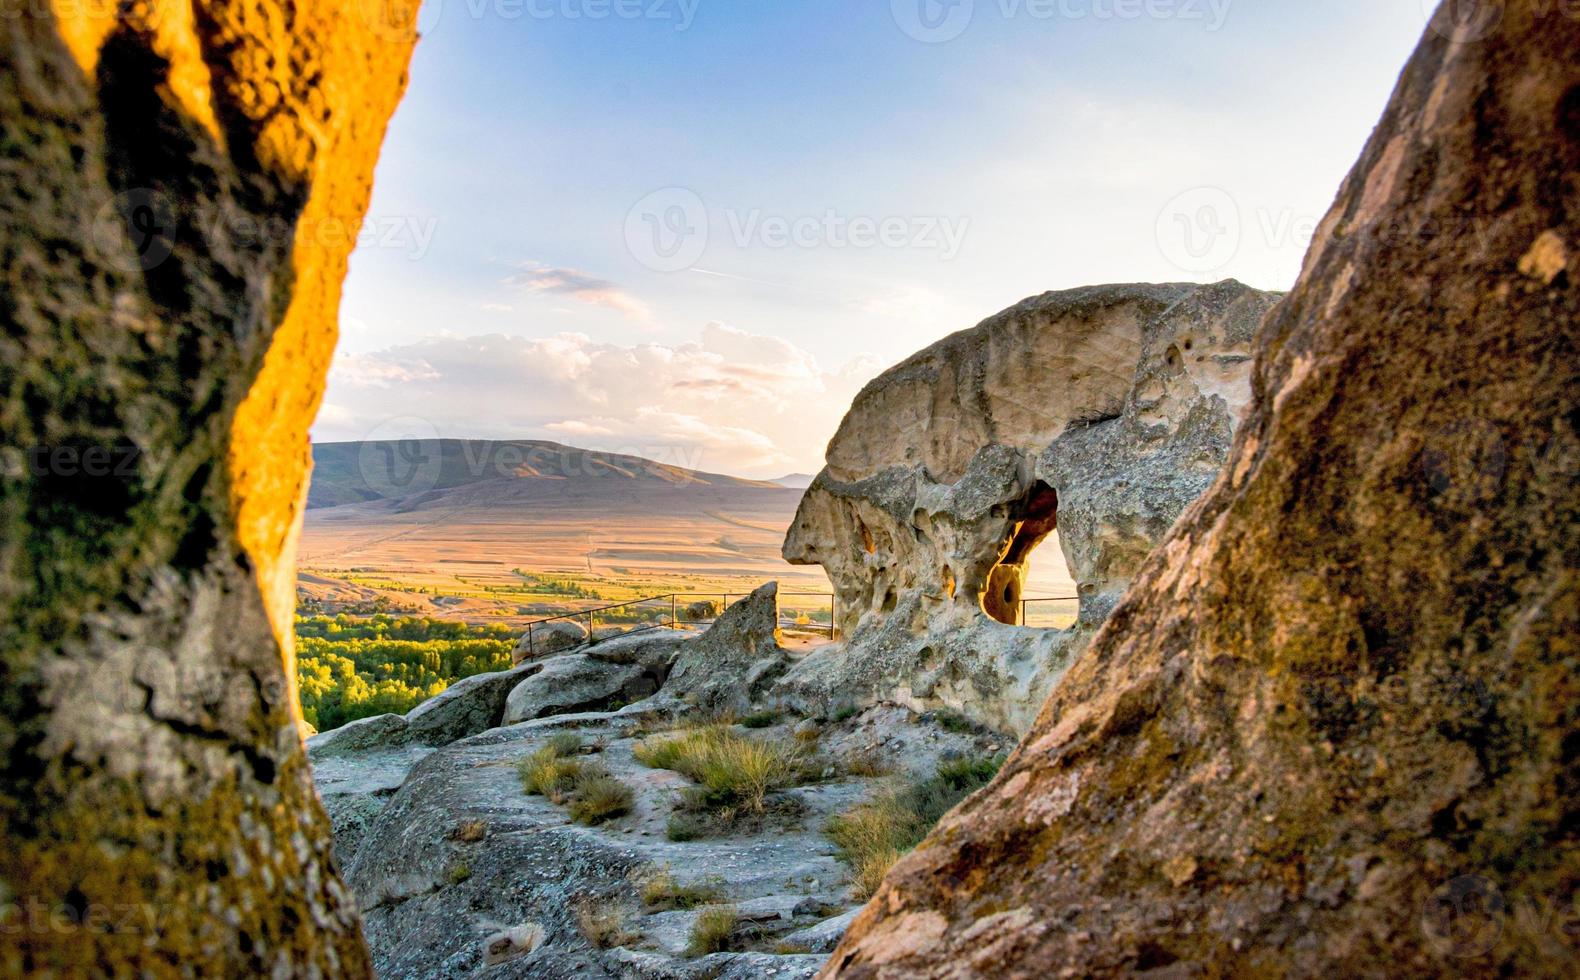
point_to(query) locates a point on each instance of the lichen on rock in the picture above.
(169, 317)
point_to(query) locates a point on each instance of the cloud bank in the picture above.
(730, 401)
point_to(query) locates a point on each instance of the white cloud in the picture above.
(729, 401)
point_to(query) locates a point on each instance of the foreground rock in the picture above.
(183, 184)
(1099, 412)
(1331, 729)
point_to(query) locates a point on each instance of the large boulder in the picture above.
(548, 640)
(1331, 730)
(470, 705)
(377, 732)
(576, 682)
(732, 666)
(184, 183)
(1101, 413)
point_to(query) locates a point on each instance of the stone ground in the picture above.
(460, 873)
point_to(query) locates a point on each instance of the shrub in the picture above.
(846, 713)
(712, 930)
(760, 719)
(459, 871)
(597, 797)
(662, 893)
(875, 835)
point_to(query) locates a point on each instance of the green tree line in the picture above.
(355, 668)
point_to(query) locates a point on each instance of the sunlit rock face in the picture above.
(1099, 412)
(1331, 728)
(183, 184)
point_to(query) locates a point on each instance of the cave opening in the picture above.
(1033, 570)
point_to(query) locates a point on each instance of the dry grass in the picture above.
(471, 831)
(662, 893)
(735, 771)
(712, 930)
(604, 923)
(875, 835)
(597, 797)
(587, 789)
(547, 773)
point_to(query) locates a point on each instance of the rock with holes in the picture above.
(1100, 413)
(549, 639)
(1331, 729)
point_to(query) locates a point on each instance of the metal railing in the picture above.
(678, 603)
(1074, 614)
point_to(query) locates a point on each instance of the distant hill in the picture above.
(795, 481)
(473, 472)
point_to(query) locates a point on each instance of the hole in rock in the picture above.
(1032, 585)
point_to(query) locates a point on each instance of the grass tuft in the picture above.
(761, 719)
(471, 831)
(604, 923)
(662, 893)
(597, 797)
(712, 930)
(875, 835)
(737, 773)
(458, 872)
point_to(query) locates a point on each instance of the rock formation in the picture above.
(183, 184)
(1332, 728)
(1099, 412)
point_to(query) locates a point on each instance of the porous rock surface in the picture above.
(1331, 729)
(182, 185)
(1099, 412)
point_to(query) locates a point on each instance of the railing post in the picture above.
(532, 643)
(674, 611)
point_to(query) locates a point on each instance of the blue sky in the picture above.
(692, 229)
